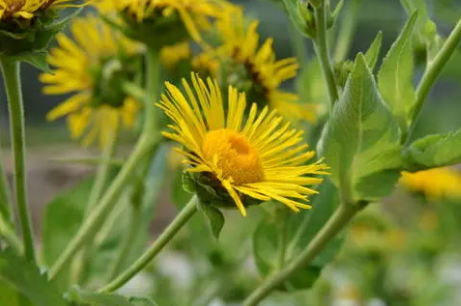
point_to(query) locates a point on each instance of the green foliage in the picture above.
(361, 139)
(300, 229)
(372, 54)
(301, 16)
(395, 78)
(434, 151)
(23, 278)
(215, 217)
(82, 297)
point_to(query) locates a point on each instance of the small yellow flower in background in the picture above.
(26, 9)
(240, 42)
(260, 157)
(435, 184)
(193, 14)
(90, 67)
(170, 56)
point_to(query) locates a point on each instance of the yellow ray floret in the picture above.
(26, 9)
(435, 184)
(95, 48)
(260, 156)
(193, 13)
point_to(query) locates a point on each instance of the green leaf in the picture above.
(215, 217)
(301, 229)
(26, 279)
(434, 151)
(98, 299)
(142, 301)
(372, 54)
(361, 139)
(395, 78)
(36, 59)
(11, 297)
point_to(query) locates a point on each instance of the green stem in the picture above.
(12, 79)
(432, 73)
(5, 196)
(172, 229)
(321, 48)
(146, 142)
(335, 224)
(127, 242)
(96, 217)
(346, 31)
(81, 260)
(8, 234)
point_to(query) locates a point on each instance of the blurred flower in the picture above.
(428, 220)
(170, 56)
(163, 15)
(261, 158)
(94, 68)
(240, 42)
(435, 184)
(374, 240)
(28, 9)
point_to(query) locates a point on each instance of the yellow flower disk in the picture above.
(26, 9)
(75, 62)
(260, 157)
(435, 184)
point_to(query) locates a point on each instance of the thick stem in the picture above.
(96, 217)
(172, 229)
(432, 73)
(152, 84)
(11, 77)
(321, 48)
(337, 222)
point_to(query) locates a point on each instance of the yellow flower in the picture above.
(91, 67)
(435, 184)
(260, 157)
(170, 56)
(194, 14)
(241, 42)
(27, 9)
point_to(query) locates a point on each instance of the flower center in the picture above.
(235, 156)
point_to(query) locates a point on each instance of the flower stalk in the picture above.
(321, 48)
(12, 80)
(335, 224)
(181, 219)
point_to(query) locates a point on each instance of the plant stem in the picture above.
(321, 48)
(432, 73)
(335, 224)
(12, 80)
(146, 142)
(8, 234)
(346, 31)
(172, 229)
(81, 260)
(5, 196)
(96, 217)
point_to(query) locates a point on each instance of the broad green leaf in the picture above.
(26, 279)
(301, 229)
(215, 217)
(395, 77)
(372, 54)
(361, 139)
(434, 151)
(11, 297)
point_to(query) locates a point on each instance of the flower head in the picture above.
(28, 9)
(93, 67)
(435, 184)
(240, 43)
(260, 157)
(167, 17)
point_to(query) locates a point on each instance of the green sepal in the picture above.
(433, 151)
(30, 43)
(301, 16)
(215, 218)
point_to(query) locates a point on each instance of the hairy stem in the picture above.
(335, 224)
(12, 80)
(321, 48)
(184, 216)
